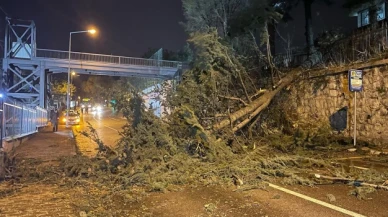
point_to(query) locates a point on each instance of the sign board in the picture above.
(355, 80)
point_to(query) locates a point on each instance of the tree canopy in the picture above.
(60, 88)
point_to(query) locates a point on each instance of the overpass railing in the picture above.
(58, 54)
(20, 120)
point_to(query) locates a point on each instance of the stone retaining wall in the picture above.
(327, 100)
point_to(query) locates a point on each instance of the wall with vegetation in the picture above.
(327, 101)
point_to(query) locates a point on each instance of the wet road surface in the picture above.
(106, 123)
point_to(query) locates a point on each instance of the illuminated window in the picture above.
(364, 17)
(380, 12)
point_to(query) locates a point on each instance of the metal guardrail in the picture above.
(363, 44)
(58, 54)
(20, 120)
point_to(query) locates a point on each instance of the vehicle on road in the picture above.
(97, 108)
(74, 118)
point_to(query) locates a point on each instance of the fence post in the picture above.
(21, 120)
(14, 124)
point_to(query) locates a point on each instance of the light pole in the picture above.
(71, 84)
(2, 120)
(92, 31)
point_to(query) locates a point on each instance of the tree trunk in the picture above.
(309, 26)
(272, 36)
(373, 16)
(254, 108)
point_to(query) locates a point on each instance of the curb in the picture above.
(82, 141)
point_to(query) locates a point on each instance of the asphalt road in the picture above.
(275, 201)
(107, 125)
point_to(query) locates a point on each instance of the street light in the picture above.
(71, 84)
(71, 79)
(91, 31)
(2, 120)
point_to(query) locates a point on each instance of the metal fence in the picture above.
(20, 120)
(361, 45)
(58, 54)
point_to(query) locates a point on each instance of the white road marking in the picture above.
(328, 205)
(111, 128)
(105, 125)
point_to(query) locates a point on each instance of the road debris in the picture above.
(330, 197)
(354, 182)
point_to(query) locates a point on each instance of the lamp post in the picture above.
(91, 31)
(2, 120)
(71, 84)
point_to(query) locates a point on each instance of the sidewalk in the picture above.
(47, 145)
(39, 199)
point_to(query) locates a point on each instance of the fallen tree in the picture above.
(253, 109)
(246, 114)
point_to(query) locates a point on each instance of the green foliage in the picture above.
(201, 15)
(216, 72)
(99, 87)
(362, 193)
(136, 106)
(60, 88)
(92, 133)
(255, 18)
(328, 37)
(311, 137)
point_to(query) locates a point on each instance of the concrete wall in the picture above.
(317, 101)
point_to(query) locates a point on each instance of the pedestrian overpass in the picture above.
(26, 69)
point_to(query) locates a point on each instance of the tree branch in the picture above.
(240, 78)
(234, 98)
(261, 91)
(264, 99)
(251, 116)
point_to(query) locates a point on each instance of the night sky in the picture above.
(126, 27)
(130, 27)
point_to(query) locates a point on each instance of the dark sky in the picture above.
(126, 27)
(130, 27)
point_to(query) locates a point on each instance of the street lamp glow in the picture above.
(69, 74)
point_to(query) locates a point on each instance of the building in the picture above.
(365, 10)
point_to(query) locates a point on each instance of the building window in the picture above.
(380, 12)
(364, 17)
